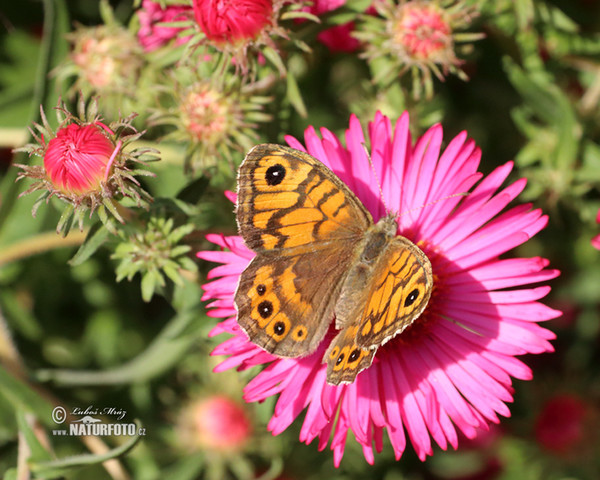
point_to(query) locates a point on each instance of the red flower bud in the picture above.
(77, 159)
(563, 425)
(216, 423)
(229, 21)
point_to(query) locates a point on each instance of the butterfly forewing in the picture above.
(288, 199)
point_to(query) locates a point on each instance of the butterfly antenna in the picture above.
(387, 210)
(462, 194)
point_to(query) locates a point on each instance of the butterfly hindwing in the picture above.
(345, 359)
(285, 303)
(399, 291)
(379, 300)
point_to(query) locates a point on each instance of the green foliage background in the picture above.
(73, 335)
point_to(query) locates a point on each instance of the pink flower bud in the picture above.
(229, 21)
(76, 159)
(216, 423)
(105, 57)
(423, 32)
(205, 114)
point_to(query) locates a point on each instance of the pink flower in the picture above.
(338, 38)
(76, 160)
(216, 423)
(596, 239)
(229, 21)
(451, 370)
(153, 33)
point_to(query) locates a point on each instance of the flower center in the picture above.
(205, 115)
(422, 32)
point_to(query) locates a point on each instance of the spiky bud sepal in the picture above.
(87, 164)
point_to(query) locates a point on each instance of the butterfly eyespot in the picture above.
(279, 328)
(354, 355)
(275, 175)
(300, 332)
(340, 359)
(265, 309)
(412, 296)
(261, 289)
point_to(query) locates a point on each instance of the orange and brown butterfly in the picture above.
(319, 255)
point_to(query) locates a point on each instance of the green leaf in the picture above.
(556, 18)
(66, 220)
(11, 474)
(172, 272)
(194, 191)
(590, 170)
(294, 96)
(358, 5)
(111, 206)
(106, 13)
(95, 238)
(180, 250)
(551, 106)
(299, 14)
(22, 396)
(38, 452)
(534, 92)
(273, 57)
(524, 13)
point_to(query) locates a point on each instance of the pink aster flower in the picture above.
(337, 38)
(154, 31)
(452, 370)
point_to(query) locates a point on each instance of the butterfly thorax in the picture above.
(377, 237)
(368, 252)
(381, 254)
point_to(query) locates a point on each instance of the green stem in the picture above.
(39, 244)
(9, 355)
(13, 137)
(164, 352)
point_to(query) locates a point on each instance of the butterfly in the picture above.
(319, 255)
